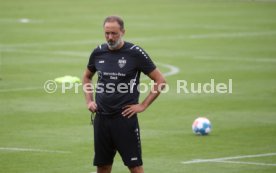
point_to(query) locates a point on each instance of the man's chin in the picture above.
(113, 45)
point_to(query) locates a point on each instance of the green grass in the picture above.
(205, 39)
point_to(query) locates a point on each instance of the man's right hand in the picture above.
(92, 106)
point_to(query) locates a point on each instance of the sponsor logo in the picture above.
(134, 159)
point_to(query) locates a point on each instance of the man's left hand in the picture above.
(130, 110)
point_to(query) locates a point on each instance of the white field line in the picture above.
(33, 150)
(231, 35)
(146, 39)
(66, 53)
(264, 60)
(82, 54)
(20, 89)
(56, 43)
(173, 70)
(194, 55)
(180, 26)
(246, 163)
(224, 159)
(262, 1)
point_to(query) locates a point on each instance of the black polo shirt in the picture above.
(118, 75)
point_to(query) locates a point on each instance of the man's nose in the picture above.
(110, 36)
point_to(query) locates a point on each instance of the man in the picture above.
(118, 65)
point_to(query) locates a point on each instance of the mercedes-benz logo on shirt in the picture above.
(122, 62)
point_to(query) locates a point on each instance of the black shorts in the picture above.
(117, 133)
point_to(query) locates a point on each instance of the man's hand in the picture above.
(130, 110)
(92, 106)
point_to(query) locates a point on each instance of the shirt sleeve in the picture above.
(145, 64)
(91, 62)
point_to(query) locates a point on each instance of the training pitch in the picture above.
(197, 41)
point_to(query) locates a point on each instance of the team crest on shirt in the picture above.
(122, 62)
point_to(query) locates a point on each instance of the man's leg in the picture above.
(103, 145)
(137, 169)
(104, 169)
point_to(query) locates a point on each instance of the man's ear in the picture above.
(123, 31)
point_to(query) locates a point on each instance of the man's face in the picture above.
(113, 34)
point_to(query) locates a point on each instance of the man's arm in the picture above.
(159, 84)
(88, 90)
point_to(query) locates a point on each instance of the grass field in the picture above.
(204, 39)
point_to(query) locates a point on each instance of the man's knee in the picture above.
(104, 169)
(136, 169)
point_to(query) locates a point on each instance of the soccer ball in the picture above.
(201, 126)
